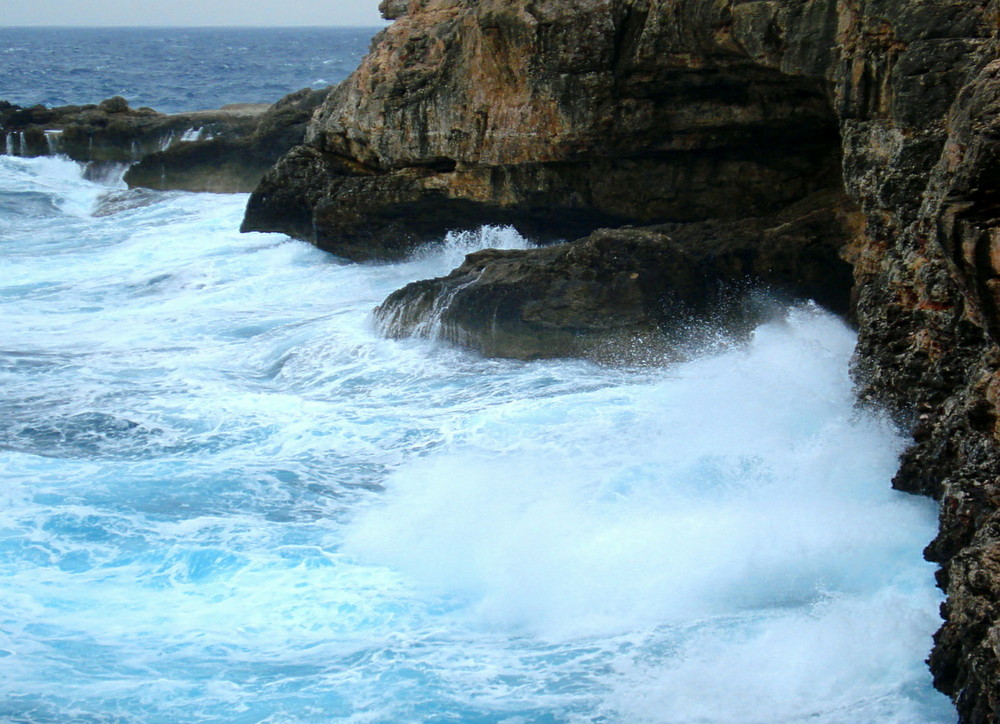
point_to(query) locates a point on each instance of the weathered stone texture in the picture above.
(555, 117)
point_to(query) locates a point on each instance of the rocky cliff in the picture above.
(562, 116)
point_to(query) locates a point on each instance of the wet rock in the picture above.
(230, 162)
(117, 202)
(928, 336)
(632, 293)
(111, 131)
(596, 297)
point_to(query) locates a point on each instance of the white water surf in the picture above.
(227, 498)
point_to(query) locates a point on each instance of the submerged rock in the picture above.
(631, 293)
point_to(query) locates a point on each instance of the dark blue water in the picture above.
(173, 69)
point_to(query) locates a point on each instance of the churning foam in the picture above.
(735, 510)
(227, 497)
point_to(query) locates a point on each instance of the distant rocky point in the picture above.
(562, 118)
(225, 150)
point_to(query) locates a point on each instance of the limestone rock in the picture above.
(392, 9)
(110, 131)
(556, 118)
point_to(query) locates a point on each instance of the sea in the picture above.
(225, 496)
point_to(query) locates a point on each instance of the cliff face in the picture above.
(545, 115)
(562, 115)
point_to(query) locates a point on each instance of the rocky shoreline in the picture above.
(841, 150)
(634, 294)
(227, 150)
(710, 116)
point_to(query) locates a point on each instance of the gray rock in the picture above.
(224, 150)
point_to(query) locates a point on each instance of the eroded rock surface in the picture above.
(555, 117)
(230, 162)
(927, 278)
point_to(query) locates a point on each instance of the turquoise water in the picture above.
(227, 498)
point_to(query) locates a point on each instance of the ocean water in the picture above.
(173, 69)
(224, 497)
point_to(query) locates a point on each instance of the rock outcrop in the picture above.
(230, 162)
(224, 150)
(927, 275)
(113, 131)
(562, 116)
(634, 294)
(555, 118)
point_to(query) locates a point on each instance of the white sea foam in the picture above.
(439, 259)
(53, 139)
(226, 497)
(738, 498)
